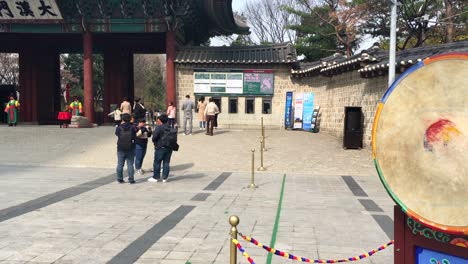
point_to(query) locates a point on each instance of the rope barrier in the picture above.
(293, 257)
(241, 249)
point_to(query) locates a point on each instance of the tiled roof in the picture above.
(374, 61)
(265, 54)
(407, 58)
(354, 62)
(313, 68)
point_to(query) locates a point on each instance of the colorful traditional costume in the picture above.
(76, 108)
(12, 111)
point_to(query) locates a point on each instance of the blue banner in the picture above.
(308, 111)
(288, 110)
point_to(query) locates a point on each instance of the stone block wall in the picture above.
(332, 94)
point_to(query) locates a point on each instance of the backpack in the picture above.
(125, 141)
(169, 138)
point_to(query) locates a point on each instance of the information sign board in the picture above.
(235, 82)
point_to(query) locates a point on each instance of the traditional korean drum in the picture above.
(420, 142)
(64, 116)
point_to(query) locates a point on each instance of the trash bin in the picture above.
(353, 128)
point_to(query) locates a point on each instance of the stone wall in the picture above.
(282, 82)
(332, 94)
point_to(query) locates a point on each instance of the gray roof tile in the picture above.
(265, 54)
(374, 60)
(409, 57)
(313, 68)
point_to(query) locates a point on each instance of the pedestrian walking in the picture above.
(201, 106)
(126, 134)
(165, 141)
(188, 107)
(141, 143)
(126, 107)
(171, 114)
(210, 112)
(116, 115)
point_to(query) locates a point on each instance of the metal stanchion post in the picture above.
(234, 221)
(252, 178)
(263, 136)
(263, 129)
(261, 155)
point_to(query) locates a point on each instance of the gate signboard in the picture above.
(28, 10)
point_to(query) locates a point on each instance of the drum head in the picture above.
(419, 142)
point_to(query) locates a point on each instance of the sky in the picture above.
(237, 5)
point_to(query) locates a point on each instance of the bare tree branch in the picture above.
(269, 21)
(9, 68)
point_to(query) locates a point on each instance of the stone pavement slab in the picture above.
(321, 214)
(228, 150)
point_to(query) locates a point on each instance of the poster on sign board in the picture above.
(308, 111)
(258, 82)
(298, 108)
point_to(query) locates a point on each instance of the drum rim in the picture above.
(458, 230)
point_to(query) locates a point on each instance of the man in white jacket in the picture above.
(210, 112)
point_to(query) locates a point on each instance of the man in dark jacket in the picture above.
(139, 110)
(161, 153)
(126, 134)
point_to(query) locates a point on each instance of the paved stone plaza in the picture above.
(60, 203)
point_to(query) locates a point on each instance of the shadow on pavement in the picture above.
(141, 180)
(182, 167)
(196, 132)
(217, 132)
(263, 184)
(187, 176)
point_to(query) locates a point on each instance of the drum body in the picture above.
(420, 142)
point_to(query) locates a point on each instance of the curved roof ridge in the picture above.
(220, 13)
(281, 53)
(268, 46)
(408, 57)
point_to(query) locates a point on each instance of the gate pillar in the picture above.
(88, 76)
(170, 67)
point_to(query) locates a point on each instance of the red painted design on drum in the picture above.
(461, 242)
(440, 132)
